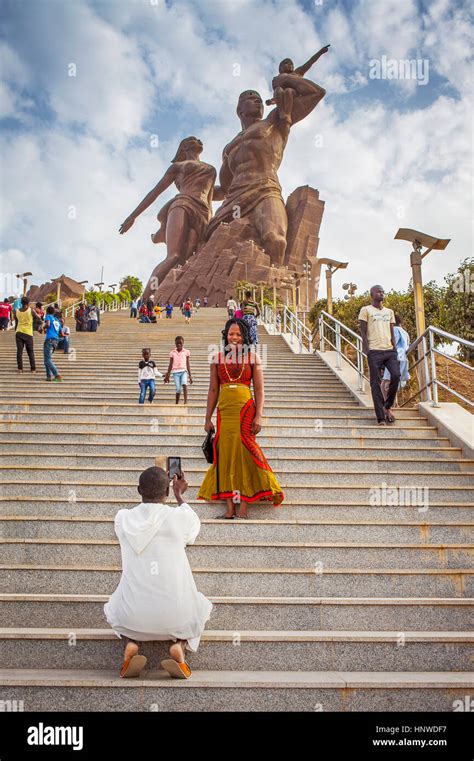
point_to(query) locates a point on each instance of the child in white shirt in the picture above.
(147, 374)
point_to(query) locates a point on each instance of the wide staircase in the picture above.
(347, 597)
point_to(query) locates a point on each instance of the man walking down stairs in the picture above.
(354, 595)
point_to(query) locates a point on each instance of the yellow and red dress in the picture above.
(240, 469)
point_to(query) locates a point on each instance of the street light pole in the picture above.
(419, 239)
(307, 268)
(332, 265)
(83, 283)
(25, 276)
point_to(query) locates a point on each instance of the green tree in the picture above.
(133, 285)
(124, 294)
(458, 306)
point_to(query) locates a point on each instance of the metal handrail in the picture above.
(103, 306)
(288, 323)
(330, 322)
(432, 381)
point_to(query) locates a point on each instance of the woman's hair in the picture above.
(248, 294)
(180, 153)
(244, 332)
(50, 310)
(39, 304)
(25, 301)
(398, 319)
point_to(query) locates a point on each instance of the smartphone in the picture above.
(174, 467)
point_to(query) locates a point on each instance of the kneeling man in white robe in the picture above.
(157, 598)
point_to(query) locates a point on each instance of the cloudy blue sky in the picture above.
(79, 152)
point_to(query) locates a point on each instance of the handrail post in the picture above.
(360, 365)
(338, 346)
(321, 333)
(284, 319)
(434, 380)
(426, 372)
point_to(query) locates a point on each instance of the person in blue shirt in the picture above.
(53, 328)
(169, 310)
(402, 342)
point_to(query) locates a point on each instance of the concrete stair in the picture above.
(331, 601)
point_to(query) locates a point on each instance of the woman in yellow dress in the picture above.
(240, 474)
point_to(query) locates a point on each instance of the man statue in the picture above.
(248, 176)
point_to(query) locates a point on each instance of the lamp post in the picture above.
(261, 285)
(24, 276)
(84, 283)
(58, 289)
(351, 289)
(113, 286)
(307, 273)
(419, 239)
(331, 266)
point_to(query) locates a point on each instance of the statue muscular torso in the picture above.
(255, 155)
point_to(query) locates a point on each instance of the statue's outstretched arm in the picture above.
(309, 94)
(301, 70)
(160, 187)
(303, 105)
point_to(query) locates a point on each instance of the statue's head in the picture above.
(189, 145)
(286, 66)
(250, 104)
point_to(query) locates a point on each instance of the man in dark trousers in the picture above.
(378, 342)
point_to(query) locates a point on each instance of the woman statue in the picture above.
(240, 473)
(184, 219)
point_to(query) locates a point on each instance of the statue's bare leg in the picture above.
(271, 222)
(181, 240)
(283, 97)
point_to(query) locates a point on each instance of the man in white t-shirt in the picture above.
(231, 306)
(378, 342)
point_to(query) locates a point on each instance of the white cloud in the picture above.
(378, 168)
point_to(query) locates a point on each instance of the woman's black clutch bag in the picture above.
(208, 447)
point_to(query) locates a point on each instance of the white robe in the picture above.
(157, 598)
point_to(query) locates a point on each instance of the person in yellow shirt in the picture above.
(157, 311)
(379, 343)
(24, 334)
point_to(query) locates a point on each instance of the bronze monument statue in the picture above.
(247, 237)
(248, 176)
(184, 218)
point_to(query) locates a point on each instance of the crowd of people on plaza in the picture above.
(146, 310)
(87, 317)
(27, 318)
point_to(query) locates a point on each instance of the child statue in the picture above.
(283, 92)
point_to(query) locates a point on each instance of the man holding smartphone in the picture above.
(157, 597)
